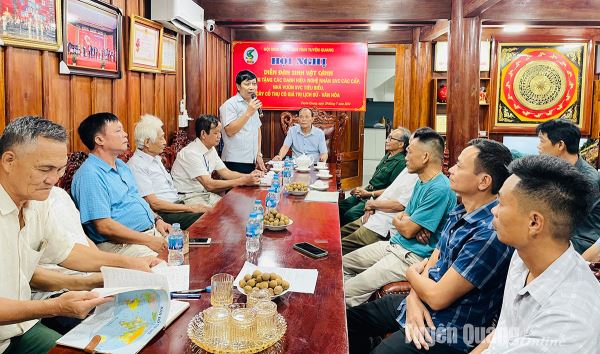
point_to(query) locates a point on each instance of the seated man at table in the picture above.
(416, 230)
(304, 138)
(33, 156)
(460, 286)
(376, 224)
(113, 213)
(153, 181)
(551, 299)
(560, 138)
(195, 163)
(387, 170)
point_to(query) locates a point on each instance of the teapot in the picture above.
(304, 161)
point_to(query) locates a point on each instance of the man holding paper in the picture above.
(33, 156)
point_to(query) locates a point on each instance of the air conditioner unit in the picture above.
(182, 16)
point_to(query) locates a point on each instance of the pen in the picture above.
(193, 291)
(185, 296)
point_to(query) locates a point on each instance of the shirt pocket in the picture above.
(31, 258)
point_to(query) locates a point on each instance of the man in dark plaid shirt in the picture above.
(457, 293)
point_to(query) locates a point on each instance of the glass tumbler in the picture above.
(243, 328)
(216, 326)
(266, 319)
(221, 289)
(256, 296)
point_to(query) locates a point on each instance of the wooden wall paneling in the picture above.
(3, 120)
(419, 82)
(101, 95)
(133, 103)
(147, 92)
(402, 86)
(595, 133)
(193, 69)
(159, 102)
(81, 105)
(24, 75)
(171, 108)
(57, 95)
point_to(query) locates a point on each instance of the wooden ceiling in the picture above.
(348, 20)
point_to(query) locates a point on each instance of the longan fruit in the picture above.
(271, 292)
(251, 282)
(247, 289)
(256, 273)
(266, 276)
(273, 284)
(242, 283)
(278, 290)
(263, 285)
(258, 278)
(247, 277)
(285, 284)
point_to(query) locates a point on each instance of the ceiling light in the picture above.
(514, 27)
(274, 26)
(379, 26)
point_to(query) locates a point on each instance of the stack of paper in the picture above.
(316, 196)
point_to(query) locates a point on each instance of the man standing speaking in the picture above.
(241, 126)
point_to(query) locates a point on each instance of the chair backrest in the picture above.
(74, 161)
(332, 126)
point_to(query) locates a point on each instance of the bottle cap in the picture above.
(253, 214)
(176, 226)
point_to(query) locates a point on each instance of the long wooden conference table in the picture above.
(316, 323)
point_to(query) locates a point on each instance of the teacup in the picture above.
(321, 164)
(266, 181)
(304, 162)
(320, 184)
(323, 173)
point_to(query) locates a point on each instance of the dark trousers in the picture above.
(240, 167)
(39, 339)
(376, 319)
(351, 209)
(185, 220)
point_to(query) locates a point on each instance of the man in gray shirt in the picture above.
(551, 298)
(560, 138)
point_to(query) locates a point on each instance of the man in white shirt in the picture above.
(241, 123)
(153, 181)
(376, 224)
(195, 163)
(551, 298)
(33, 156)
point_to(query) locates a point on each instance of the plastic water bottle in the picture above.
(271, 199)
(291, 162)
(175, 241)
(252, 233)
(287, 172)
(260, 215)
(277, 187)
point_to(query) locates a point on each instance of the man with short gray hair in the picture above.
(33, 156)
(153, 181)
(304, 138)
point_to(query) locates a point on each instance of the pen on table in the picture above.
(193, 291)
(185, 296)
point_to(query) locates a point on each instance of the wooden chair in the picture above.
(333, 129)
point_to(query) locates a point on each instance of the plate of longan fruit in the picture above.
(276, 221)
(297, 188)
(273, 282)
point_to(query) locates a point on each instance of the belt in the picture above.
(148, 229)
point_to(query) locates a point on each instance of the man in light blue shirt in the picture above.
(241, 126)
(303, 138)
(112, 212)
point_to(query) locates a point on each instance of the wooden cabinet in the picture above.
(439, 106)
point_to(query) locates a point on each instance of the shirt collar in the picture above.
(145, 156)
(102, 164)
(311, 132)
(7, 205)
(201, 147)
(542, 287)
(476, 215)
(239, 98)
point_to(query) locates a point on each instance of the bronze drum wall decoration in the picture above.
(538, 83)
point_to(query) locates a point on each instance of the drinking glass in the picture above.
(256, 296)
(243, 328)
(266, 319)
(216, 326)
(221, 289)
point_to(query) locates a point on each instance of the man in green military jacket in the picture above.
(386, 171)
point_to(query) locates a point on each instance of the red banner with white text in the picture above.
(292, 75)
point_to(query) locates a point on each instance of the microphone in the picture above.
(260, 112)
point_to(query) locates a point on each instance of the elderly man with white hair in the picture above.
(154, 183)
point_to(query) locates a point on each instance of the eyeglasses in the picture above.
(389, 137)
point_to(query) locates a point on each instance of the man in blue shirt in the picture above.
(457, 293)
(416, 229)
(112, 212)
(303, 138)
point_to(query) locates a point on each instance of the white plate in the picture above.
(321, 168)
(298, 193)
(303, 169)
(278, 228)
(324, 177)
(319, 188)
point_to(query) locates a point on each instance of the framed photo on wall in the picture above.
(31, 24)
(92, 38)
(169, 54)
(145, 44)
(537, 82)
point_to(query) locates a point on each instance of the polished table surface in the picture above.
(316, 322)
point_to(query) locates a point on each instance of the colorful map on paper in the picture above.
(126, 325)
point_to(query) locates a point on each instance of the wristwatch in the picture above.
(157, 217)
(259, 154)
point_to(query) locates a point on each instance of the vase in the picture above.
(442, 94)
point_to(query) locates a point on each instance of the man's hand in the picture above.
(363, 193)
(257, 173)
(276, 158)
(423, 236)
(260, 164)
(77, 304)
(250, 179)
(156, 243)
(163, 227)
(253, 106)
(143, 263)
(323, 158)
(418, 322)
(418, 267)
(366, 216)
(371, 205)
(199, 208)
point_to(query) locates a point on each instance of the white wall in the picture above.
(381, 75)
